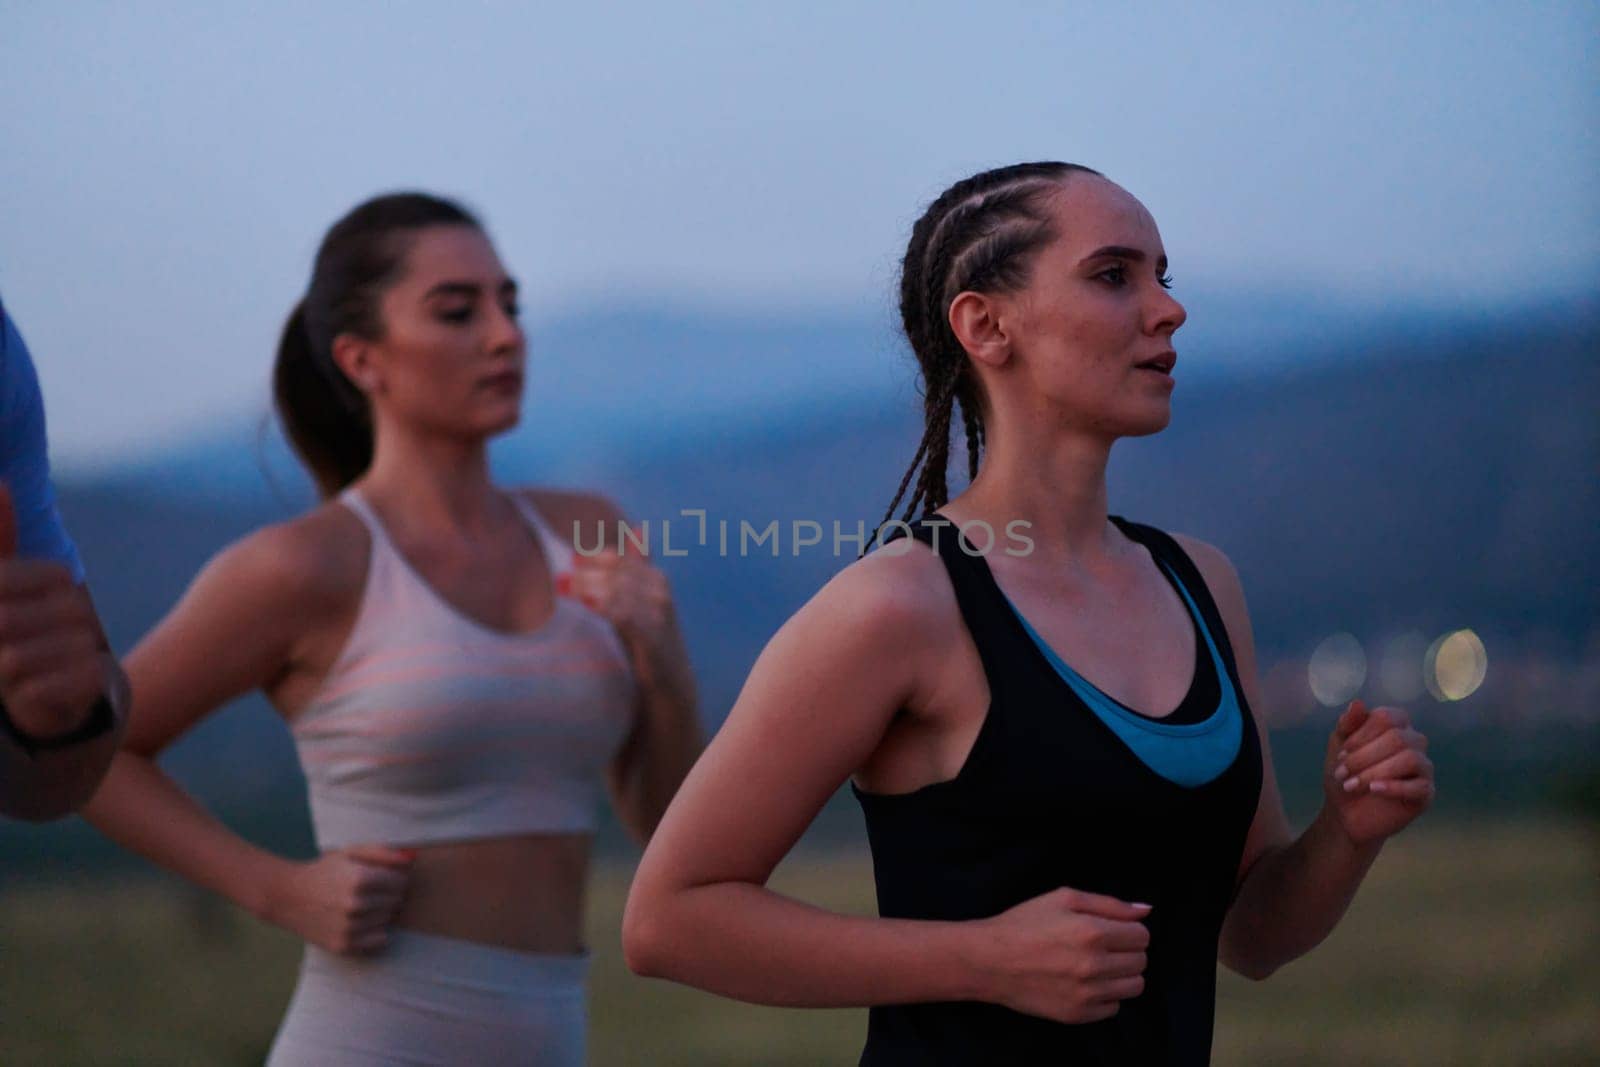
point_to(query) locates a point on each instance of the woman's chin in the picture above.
(1146, 423)
(1157, 425)
(500, 424)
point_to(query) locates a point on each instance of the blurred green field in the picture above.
(1471, 943)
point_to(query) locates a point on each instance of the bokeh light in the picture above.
(1337, 669)
(1400, 667)
(1456, 665)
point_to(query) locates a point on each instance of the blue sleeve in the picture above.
(24, 458)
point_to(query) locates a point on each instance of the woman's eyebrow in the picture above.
(1132, 255)
(452, 289)
(458, 288)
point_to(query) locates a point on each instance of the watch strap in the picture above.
(102, 720)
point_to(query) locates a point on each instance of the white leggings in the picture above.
(435, 1000)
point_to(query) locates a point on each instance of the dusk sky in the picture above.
(167, 168)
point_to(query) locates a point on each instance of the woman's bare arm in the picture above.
(666, 736)
(1291, 891)
(815, 706)
(665, 740)
(236, 629)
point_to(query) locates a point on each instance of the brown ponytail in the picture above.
(327, 419)
(325, 416)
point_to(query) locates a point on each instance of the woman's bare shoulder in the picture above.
(902, 583)
(866, 645)
(1221, 578)
(313, 558)
(569, 511)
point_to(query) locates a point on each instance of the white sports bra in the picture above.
(433, 727)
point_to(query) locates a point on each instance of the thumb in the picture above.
(1106, 907)
(8, 524)
(1349, 722)
(382, 855)
(1353, 717)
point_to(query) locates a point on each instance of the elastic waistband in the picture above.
(467, 965)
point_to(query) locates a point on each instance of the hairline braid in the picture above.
(994, 219)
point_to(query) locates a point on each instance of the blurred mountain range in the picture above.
(1395, 471)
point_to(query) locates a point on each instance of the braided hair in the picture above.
(980, 235)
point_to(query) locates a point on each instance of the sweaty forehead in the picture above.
(1091, 212)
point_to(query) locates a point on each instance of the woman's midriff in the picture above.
(524, 892)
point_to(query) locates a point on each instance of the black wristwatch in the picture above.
(101, 720)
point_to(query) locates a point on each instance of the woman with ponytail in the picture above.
(1072, 810)
(459, 683)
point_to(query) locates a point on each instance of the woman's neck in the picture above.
(435, 482)
(1057, 484)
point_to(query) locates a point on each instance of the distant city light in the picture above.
(1337, 669)
(1456, 665)
(1401, 667)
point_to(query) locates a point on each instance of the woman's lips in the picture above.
(1161, 366)
(1163, 363)
(506, 382)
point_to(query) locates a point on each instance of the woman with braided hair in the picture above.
(1071, 807)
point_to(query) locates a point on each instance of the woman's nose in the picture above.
(1167, 314)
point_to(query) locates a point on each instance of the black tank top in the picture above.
(1056, 794)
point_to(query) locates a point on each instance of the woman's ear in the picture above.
(353, 355)
(975, 320)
